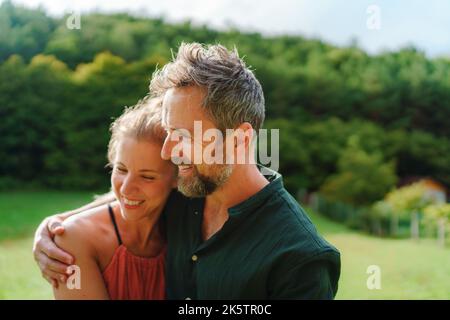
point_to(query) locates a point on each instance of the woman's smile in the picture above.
(132, 204)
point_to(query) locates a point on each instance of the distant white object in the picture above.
(374, 20)
(374, 280)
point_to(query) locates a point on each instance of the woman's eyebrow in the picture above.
(148, 170)
(142, 170)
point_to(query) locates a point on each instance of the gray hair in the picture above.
(233, 94)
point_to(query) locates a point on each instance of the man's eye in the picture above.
(181, 133)
(148, 178)
(185, 137)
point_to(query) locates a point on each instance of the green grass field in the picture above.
(408, 270)
(20, 214)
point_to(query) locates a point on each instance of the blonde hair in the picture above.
(142, 121)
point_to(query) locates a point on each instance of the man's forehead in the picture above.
(181, 107)
(185, 97)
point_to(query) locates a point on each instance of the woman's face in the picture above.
(141, 180)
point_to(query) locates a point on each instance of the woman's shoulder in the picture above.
(86, 231)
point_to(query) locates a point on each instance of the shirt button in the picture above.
(194, 258)
(195, 212)
(187, 298)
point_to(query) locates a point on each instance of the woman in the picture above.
(119, 248)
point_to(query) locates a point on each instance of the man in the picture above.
(233, 233)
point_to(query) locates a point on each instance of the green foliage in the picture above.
(55, 128)
(60, 88)
(435, 214)
(23, 31)
(408, 199)
(362, 178)
(437, 211)
(316, 146)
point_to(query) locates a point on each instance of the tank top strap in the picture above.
(113, 220)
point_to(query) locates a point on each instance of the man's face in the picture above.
(181, 107)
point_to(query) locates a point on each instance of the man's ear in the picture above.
(244, 130)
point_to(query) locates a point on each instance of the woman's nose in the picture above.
(129, 186)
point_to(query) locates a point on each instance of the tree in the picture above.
(362, 178)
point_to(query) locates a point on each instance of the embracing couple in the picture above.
(174, 228)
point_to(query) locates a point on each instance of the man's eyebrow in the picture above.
(167, 127)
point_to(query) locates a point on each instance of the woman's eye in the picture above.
(148, 178)
(121, 170)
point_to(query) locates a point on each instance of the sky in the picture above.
(376, 25)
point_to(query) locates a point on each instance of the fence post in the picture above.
(376, 226)
(415, 225)
(315, 202)
(394, 225)
(441, 231)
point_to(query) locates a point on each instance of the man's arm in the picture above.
(316, 279)
(52, 260)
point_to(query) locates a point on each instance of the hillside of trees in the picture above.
(344, 116)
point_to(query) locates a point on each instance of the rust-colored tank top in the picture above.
(128, 276)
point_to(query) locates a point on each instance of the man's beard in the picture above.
(199, 185)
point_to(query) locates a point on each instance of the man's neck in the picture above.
(244, 182)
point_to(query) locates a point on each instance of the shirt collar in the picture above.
(258, 199)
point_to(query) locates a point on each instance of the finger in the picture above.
(50, 249)
(47, 278)
(53, 282)
(57, 267)
(52, 275)
(55, 226)
(59, 230)
(48, 264)
(41, 236)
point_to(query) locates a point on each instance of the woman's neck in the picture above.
(143, 237)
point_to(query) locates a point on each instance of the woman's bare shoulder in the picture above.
(86, 231)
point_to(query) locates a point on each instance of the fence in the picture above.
(363, 219)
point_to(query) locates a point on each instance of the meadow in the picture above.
(409, 270)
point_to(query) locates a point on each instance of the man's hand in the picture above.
(52, 261)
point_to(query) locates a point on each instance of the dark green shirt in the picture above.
(267, 249)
